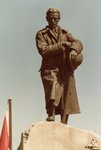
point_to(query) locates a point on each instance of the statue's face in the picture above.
(53, 20)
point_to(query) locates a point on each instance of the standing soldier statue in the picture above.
(61, 55)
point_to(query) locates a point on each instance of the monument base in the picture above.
(57, 136)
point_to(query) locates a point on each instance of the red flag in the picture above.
(4, 140)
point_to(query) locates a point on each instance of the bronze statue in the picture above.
(61, 55)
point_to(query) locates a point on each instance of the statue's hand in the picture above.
(66, 44)
(73, 55)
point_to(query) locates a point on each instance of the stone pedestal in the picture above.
(57, 136)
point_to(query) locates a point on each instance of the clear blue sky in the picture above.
(20, 61)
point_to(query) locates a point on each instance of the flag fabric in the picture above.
(4, 139)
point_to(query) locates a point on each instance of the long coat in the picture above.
(57, 72)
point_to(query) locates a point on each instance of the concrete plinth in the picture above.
(57, 136)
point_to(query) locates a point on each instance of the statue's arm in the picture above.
(46, 50)
(75, 44)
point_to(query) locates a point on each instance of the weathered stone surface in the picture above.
(57, 136)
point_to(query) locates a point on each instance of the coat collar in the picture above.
(54, 34)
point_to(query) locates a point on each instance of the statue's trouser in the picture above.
(64, 119)
(51, 115)
(51, 112)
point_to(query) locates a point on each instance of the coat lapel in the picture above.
(55, 36)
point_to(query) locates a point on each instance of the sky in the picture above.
(20, 61)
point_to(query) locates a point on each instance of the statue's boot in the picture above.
(51, 115)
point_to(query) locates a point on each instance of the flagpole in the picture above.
(10, 121)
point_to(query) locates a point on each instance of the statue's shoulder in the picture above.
(43, 31)
(64, 30)
(67, 33)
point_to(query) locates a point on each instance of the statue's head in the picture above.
(53, 17)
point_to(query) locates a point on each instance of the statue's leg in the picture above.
(64, 119)
(51, 112)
